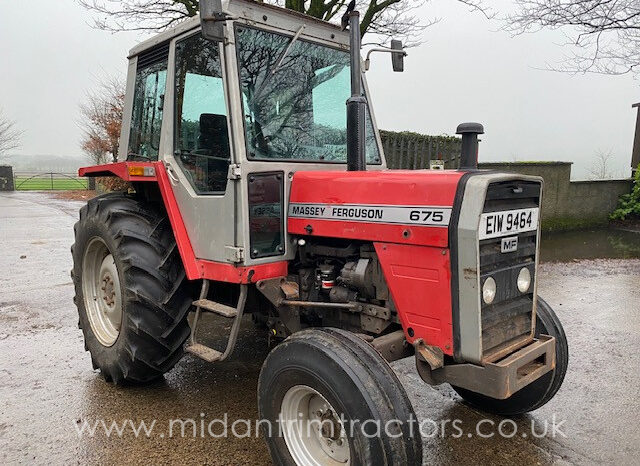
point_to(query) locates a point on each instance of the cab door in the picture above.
(197, 145)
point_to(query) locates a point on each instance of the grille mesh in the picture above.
(509, 317)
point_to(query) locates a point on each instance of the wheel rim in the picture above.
(101, 291)
(312, 430)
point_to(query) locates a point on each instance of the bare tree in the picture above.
(9, 135)
(140, 15)
(604, 35)
(601, 169)
(382, 18)
(102, 120)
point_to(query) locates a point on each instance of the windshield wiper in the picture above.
(293, 40)
(180, 152)
(131, 156)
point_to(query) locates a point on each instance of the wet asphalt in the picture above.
(49, 392)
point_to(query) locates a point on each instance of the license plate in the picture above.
(508, 222)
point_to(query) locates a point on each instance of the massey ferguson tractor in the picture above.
(254, 189)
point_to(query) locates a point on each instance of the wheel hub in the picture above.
(108, 290)
(101, 291)
(330, 425)
(313, 432)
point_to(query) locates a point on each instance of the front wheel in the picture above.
(538, 393)
(329, 398)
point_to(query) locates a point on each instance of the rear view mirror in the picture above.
(212, 20)
(397, 56)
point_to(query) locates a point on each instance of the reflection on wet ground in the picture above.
(599, 243)
(48, 390)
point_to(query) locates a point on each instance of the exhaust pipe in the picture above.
(357, 103)
(469, 155)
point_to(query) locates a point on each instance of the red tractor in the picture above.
(255, 190)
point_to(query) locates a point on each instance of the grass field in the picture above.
(47, 183)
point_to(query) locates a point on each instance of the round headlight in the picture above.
(524, 280)
(489, 290)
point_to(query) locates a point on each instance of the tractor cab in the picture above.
(233, 119)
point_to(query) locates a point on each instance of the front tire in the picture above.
(338, 381)
(131, 291)
(538, 393)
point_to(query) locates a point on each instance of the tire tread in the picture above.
(155, 290)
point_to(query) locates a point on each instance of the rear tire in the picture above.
(134, 242)
(538, 393)
(351, 382)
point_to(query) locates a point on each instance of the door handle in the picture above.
(173, 178)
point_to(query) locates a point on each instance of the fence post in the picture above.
(7, 183)
(635, 157)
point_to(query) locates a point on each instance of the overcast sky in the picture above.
(464, 71)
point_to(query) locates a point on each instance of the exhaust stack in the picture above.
(357, 103)
(469, 155)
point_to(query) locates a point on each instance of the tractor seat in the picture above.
(214, 137)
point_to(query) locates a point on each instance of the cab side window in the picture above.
(148, 104)
(201, 134)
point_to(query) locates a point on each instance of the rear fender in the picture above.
(127, 171)
(195, 268)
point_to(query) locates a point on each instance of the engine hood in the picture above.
(393, 206)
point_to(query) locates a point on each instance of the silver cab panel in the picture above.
(220, 220)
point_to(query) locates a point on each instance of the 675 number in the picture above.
(424, 216)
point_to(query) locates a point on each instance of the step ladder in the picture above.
(204, 304)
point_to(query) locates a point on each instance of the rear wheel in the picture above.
(335, 401)
(131, 290)
(538, 393)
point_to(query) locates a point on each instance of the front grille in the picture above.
(509, 318)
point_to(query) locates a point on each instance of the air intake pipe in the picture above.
(469, 155)
(357, 103)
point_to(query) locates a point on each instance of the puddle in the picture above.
(602, 243)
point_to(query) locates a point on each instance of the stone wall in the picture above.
(569, 204)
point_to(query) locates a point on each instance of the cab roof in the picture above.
(255, 12)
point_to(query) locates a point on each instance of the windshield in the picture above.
(295, 100)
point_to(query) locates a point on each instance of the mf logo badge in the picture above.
(509, 244)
